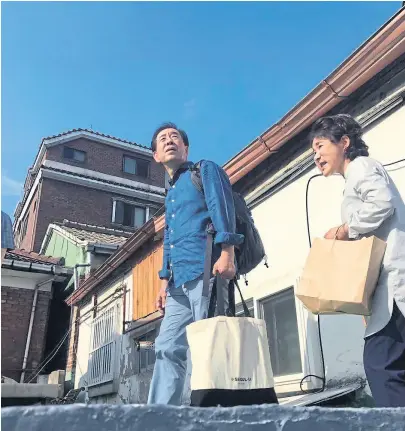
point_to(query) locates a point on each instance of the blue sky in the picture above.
(223, 71)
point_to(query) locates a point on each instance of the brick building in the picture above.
(88, 177)
(34, 316)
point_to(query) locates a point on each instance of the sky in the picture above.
(223, 71)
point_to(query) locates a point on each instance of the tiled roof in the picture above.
(105, 181)
(32, 257)
(95, 234)
(92, 132)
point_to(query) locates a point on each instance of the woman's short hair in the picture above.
(334, 127)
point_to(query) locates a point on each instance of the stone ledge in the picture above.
(162, 418)
(31, 390)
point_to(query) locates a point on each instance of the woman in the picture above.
(371, 205)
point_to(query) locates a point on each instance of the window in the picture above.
(72, 154)
(128, 214)
(102, 347)
(147, 357)
(24, 225)
(136, 166)
(279, 313)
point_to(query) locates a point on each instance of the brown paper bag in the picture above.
(341, 276)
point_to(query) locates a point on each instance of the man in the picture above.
(188, 214)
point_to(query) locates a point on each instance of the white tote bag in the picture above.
(230, 361)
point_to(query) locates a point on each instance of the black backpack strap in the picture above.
(196, 176)
(197, 181)
(207, 261)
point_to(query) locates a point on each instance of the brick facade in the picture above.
(16, 305)
(108, 160)
(56, 200)
(60, 200)
(27, 242)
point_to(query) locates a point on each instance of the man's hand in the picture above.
(225, 265)
(161, 297)
(341, 233)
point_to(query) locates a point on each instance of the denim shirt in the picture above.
(188, 213)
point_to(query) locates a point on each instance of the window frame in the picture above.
(136, 160)
(149, 365)
(308, 343)
(24, 227)
(140, 333)
(66, 147)
(146, 208)
(277, 296)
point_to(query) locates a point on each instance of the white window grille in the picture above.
(102, 347)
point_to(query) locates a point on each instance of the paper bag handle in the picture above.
(337, 231)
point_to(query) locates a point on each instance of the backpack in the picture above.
(251, 252)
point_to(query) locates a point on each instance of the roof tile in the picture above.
(93, 132)
(32, 257)
(95, 234)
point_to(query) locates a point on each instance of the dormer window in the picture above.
(73, 154)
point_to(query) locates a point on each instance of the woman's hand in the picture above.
(340, 233)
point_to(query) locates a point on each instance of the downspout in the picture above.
(124, 308)
(76, 273)
(31, 324)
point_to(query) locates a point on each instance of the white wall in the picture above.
(281, 220)
(83, 347)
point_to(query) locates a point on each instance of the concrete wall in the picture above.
(147, 418)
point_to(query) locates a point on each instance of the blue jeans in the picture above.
(184, 305)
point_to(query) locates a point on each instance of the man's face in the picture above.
(170, 147)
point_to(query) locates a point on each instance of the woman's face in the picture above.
(330, 157)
